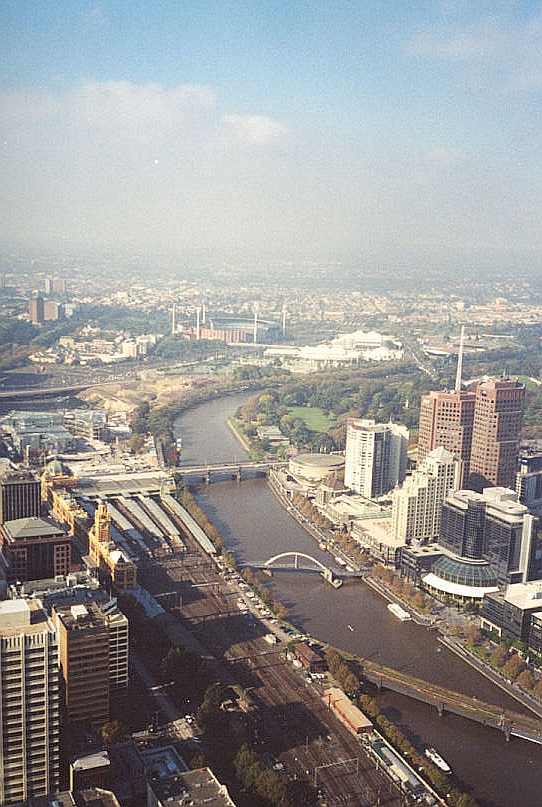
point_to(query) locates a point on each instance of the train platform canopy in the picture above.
(123, 484)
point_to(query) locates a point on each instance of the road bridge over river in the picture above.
(217, 472)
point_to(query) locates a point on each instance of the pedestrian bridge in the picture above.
(299, 561)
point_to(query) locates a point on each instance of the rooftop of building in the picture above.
(90, 762)
(380, 530)
(73, 583)
(80, 617)
(22, 616)
(370, 425)
(198, 788)
(502, 501)
(56, 468)
(525, 596)
(12, 473)
(24, 529)
(441, 454)
(162, 762)
(320, 460)
(109, 484)
(333, 483)
(96, 797)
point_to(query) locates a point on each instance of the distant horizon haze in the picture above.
(391, 135)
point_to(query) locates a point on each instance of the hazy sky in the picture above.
(364, 126)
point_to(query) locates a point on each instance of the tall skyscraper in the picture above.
(376, 456)
(52, 311)
(498, 417)
(35, 309)
(447, 420)
(417, 504)
(29, 702)
(19, 494)
(59, 285)
(491, 526)
(481, 426)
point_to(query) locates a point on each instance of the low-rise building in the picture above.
(515, 614)
(310, 470)
(35, 548)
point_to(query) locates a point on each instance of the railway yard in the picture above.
(212, 611)
(289, 719)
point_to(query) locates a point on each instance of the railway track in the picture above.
(294, 720)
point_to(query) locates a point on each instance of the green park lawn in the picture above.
(315, 418)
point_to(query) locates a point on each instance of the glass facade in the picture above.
(455, 570)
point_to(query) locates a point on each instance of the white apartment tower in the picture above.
(417, 505)
(29, 707)
(376, 456)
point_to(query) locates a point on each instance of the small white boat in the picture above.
(350, 628)
(399, 612)
(436, 759)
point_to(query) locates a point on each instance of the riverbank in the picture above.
(423, 620)
(255, 526)
(233, 427)
(492, 675)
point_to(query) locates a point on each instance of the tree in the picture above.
(472, 635)
(538, 688)
(525, 680)
(113, 731)
(499, 655)
(513, 667)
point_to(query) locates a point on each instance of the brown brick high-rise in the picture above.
(498, 417)
(446, 419)
(83, 644)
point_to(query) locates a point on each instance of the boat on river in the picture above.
(436, 759)
(399, 612)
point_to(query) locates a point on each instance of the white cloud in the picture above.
(256, 129)
(145, 164)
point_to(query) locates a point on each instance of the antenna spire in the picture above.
(459, 372)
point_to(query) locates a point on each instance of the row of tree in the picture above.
(344, 673)
(393, 734)
(504, 659)
(402, 588)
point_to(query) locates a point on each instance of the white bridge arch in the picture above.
(295, 556)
